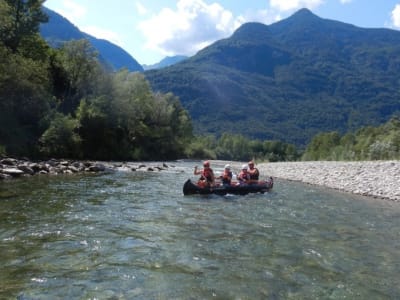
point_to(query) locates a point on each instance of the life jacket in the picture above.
(243, 176)
(254, 174)
(226, 177)
(207, 174)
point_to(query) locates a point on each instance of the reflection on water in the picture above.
(133, 235)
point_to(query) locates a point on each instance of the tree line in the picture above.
(368, 143)
(240, 148)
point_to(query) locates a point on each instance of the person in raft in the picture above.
(226, 177)
(244, 176)
(253, 171)
(207, 178)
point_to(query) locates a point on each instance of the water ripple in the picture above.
(133, 235)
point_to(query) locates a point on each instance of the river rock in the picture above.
(96, 168)
(11, 167)
(9, 161)
(26, 169)
(12, 172)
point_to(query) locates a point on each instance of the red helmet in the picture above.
(206, 163)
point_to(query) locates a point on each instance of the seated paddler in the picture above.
(244, 175)
(253, 172)
(226, 176)
(207, 178)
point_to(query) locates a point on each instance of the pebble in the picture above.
(379, 179)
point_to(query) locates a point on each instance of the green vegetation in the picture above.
(64, 103)
(368, 143)
(240, 148)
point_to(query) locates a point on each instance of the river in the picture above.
(133, 235)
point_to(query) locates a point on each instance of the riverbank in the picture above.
(12, 167)
(380, 179)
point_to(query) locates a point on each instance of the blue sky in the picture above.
(151, 29)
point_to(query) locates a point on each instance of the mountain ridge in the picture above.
(59, 30)
(165, 62)
(298, 77)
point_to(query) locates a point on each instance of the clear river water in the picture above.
(133, 235)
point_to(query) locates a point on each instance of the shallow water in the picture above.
(133, 235)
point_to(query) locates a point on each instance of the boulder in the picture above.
(26, 169)
(9, 161)
(96, 168)
(73, 169)
(12, 172)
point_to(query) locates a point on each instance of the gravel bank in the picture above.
(380, 179)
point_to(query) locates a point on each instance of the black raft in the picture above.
(190, 188)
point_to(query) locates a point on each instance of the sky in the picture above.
(150, 30)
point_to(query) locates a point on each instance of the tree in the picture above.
(321, 145)
(21, 20)
(61, 138)
(98, 131)
(79, 66)
(368, 143)
(152, 124)
(24, 100)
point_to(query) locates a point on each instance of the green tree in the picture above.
(155, 125)
(61, 138)
(321, 145)
(25, 99)
(21, 20)
(368, 143)
(202, 147)
(97, 129)
(169, 126)
(78, 71)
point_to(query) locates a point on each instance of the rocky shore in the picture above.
(380, 179)
(12, 167)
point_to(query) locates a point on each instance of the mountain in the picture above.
(59, 30)
(165, 62)
(289, 80)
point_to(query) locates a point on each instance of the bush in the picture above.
(61, 139)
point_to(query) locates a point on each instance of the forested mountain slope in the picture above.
(289, 80)
(58, 30)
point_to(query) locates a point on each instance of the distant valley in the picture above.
(166, 62)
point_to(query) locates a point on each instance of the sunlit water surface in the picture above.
(133, 235)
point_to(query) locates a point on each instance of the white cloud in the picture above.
(72, 10)
(345, 1)
(289, 5)
(263, 16)
(193, 25)
(105, 34)
(140, 8)
(396, 16)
